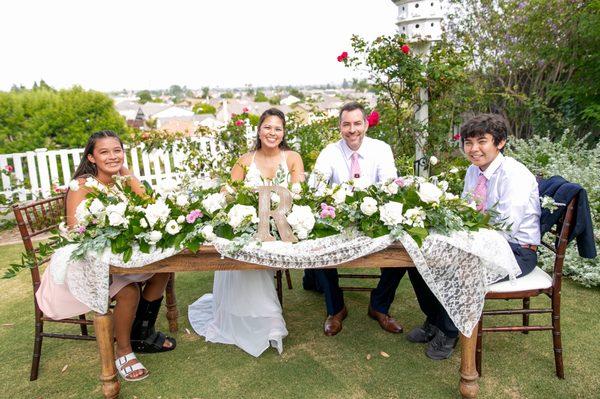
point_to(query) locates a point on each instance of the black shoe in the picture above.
(422, 334)
(441, 346)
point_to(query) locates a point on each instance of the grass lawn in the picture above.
(312, 365)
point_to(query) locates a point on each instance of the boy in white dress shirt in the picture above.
(492, 180)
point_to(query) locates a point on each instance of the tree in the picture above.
(275, 100)
(296, 93)
(202, 108)
(205, 91)
(260, 97)
(227, 94)
(144, 96)
(55, 119)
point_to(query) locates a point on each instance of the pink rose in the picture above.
(373, 118)
(239, 122)
(9, 168)
(342, 56)
(245, 110)
(456, 137)
(405, 49)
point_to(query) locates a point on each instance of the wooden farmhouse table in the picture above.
(207, 259)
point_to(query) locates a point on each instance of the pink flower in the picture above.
(327, 211)
(400, 182)
(193, 215)
(405, 49)
(9, 168)
(80, 229)
(239, 122)
(245, 110)
(233, 114)
(456, 137)
(342, 56)
(373, 118)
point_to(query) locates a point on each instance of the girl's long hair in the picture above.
(87, 168)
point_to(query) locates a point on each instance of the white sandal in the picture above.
(124, 371)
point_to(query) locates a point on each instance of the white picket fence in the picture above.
(38, 172)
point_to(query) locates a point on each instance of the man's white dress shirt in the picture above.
(374, 158)
(513, 191)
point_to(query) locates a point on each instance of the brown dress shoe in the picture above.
(333, 324)
(387, 322)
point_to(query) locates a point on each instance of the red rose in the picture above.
(342, 56)
(456, 137)
(245, 110)
(405, 48)
(239, 122)
(373, 118)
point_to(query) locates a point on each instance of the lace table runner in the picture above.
(457, 268)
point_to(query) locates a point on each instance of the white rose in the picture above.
(368, 206)
(74, 185)
(207, 232)
(391, 188)
(238, 214)
(433, 160)
(154, 237)
(339, 196)
(172, 227)
(143, 223)
(429, 193)
(453, 170)
(157, 211)
(96, 207)
(214, 202)
(415, 216)
(361, 183)
(391, 213)
(116, 214)
(180, 219)
(182, 200)
(296, 190)
(302, 220)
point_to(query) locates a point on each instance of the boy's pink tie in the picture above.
(480, 192)
(355, 167)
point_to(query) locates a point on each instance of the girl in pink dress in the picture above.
(135, 312)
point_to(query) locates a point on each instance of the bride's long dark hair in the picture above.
(271, 112)
(87, 168)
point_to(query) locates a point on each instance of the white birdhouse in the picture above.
(420, 20)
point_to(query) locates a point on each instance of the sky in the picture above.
(129, 44)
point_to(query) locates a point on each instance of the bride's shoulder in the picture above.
(292, 155)
(246, 159)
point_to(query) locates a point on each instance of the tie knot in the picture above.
(354, 156)
(482, 179)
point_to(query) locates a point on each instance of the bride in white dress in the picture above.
(243, 309)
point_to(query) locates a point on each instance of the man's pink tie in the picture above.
(355, 167)
(480, 192)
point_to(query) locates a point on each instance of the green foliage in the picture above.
(537, 62)
(31, 119)
(275, 100)
(227, 94)
(260, 97)
(144, 97)
(296, 93)
(202, 108)
(579, 163)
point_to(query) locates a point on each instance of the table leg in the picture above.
(172, 311)
(103, 326)
(469, 385)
